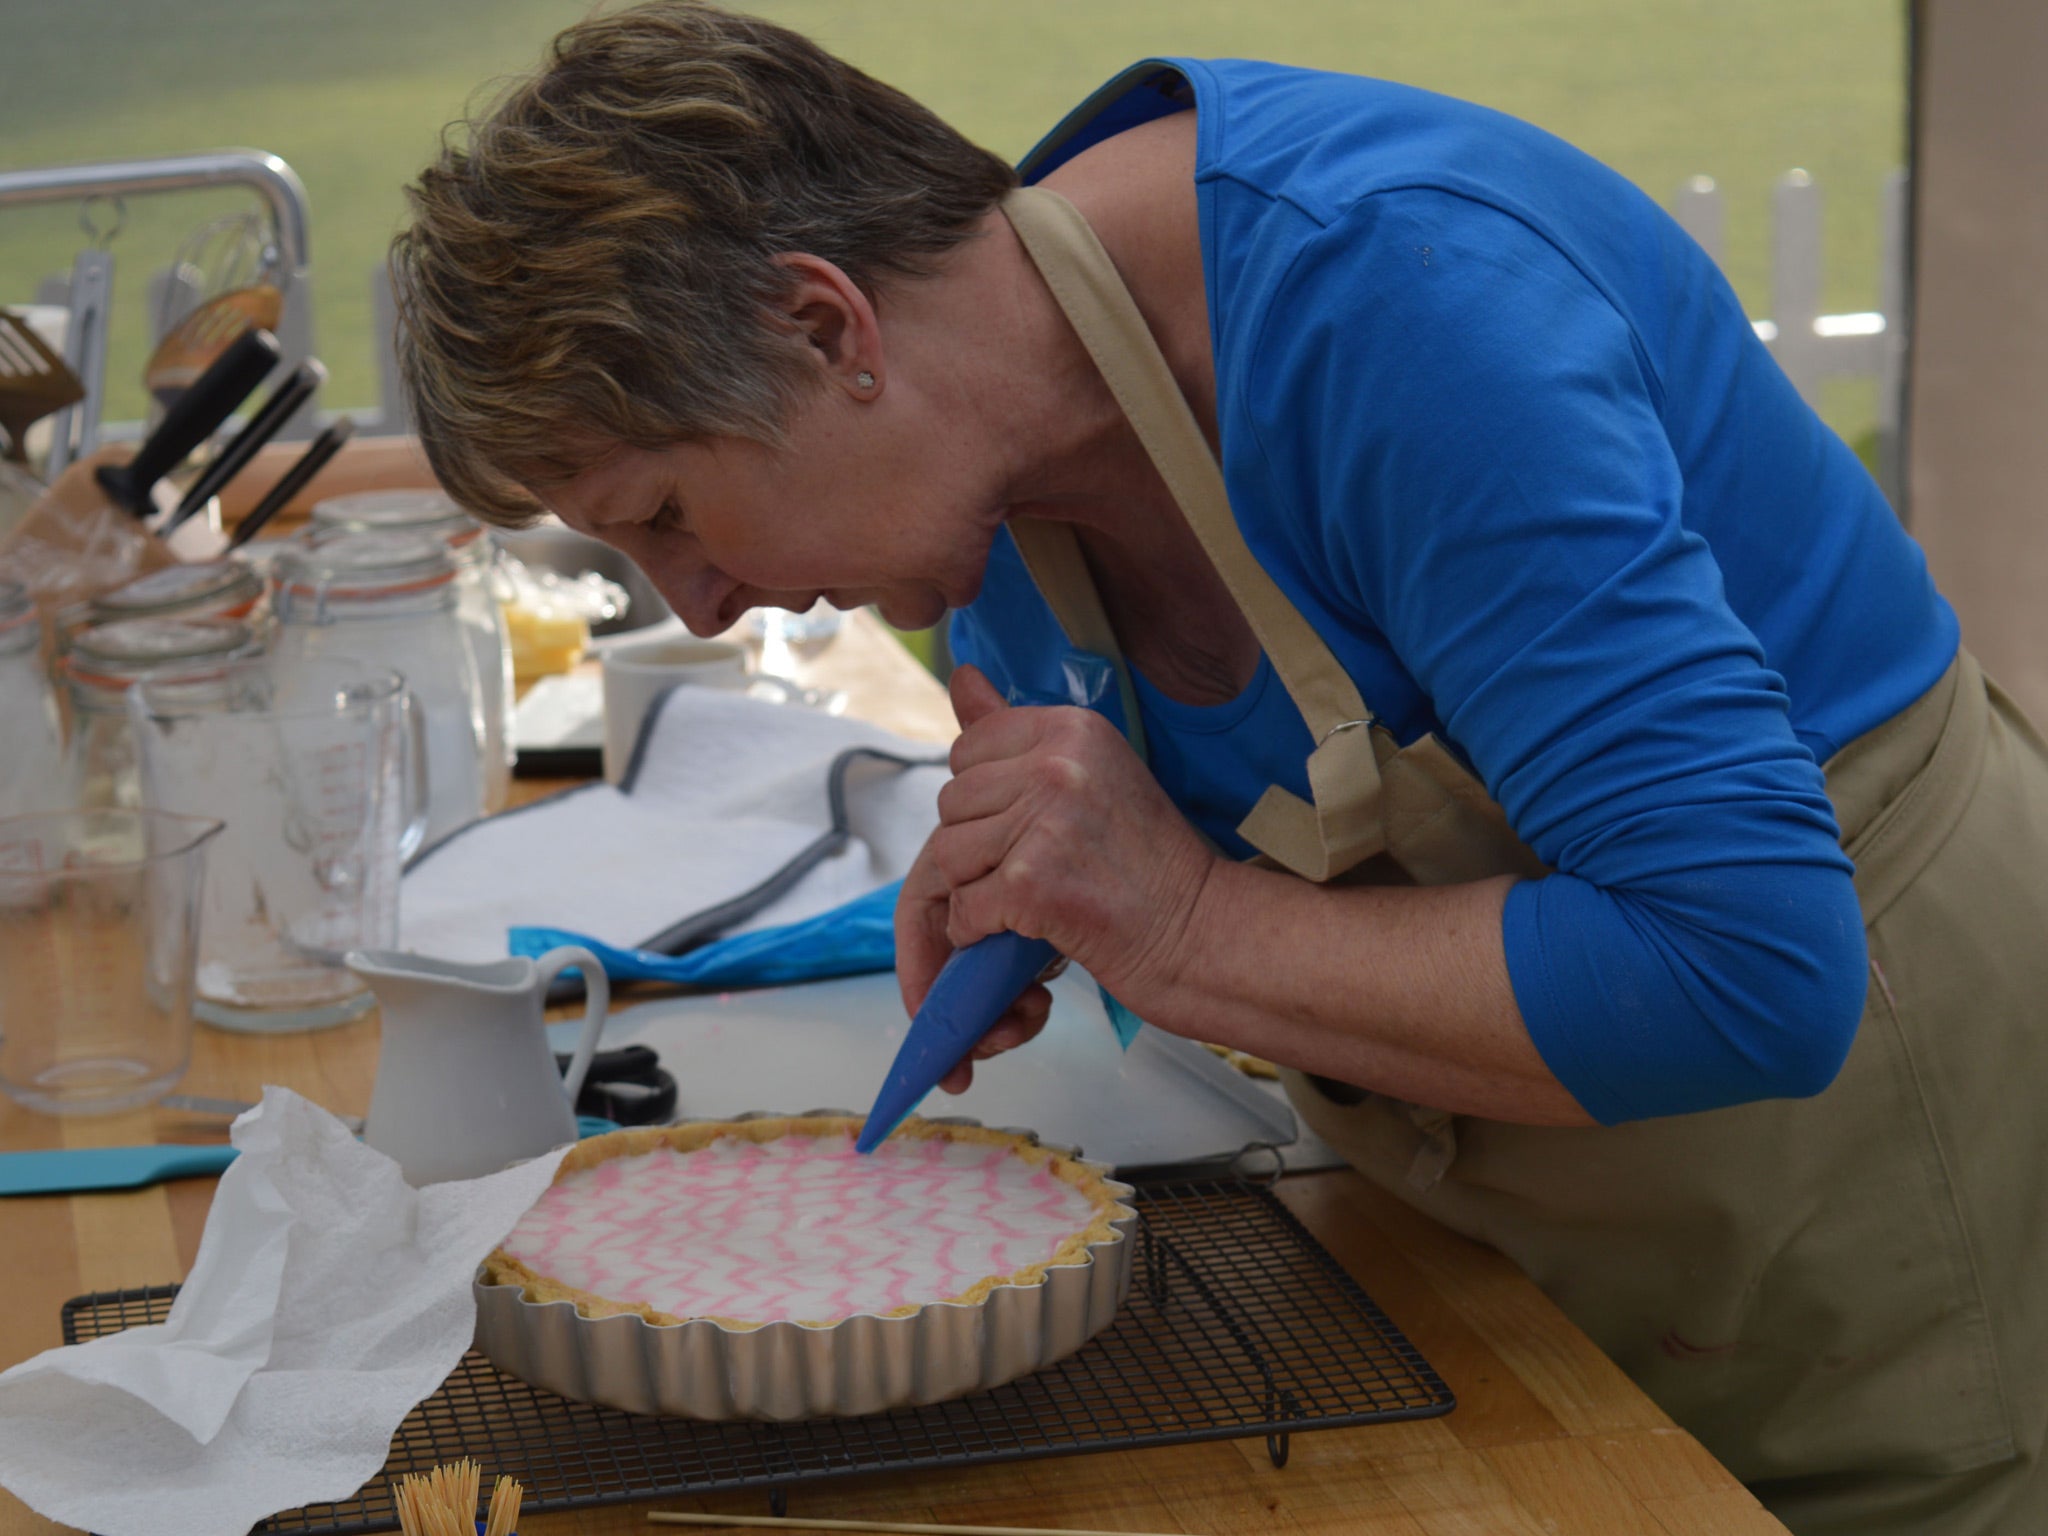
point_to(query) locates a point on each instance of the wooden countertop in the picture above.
(1548, 1435)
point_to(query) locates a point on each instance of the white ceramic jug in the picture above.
(466, 1082)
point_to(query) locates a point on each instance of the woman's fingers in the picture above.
(982, 791)
(973, 696)
(922, 912)
(964, 854)
(992, 731)
(923, 947)
(1023, 875)
(1013, 733)
(1021, 1025)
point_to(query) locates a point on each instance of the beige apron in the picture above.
(1845, 1297)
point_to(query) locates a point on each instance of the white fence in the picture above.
(1810, 346)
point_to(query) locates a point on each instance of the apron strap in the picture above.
(1342, 827)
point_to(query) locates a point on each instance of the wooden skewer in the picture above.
(504, 1515)
(443, 1502)
(894, 1527)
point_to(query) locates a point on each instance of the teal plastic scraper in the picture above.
(72, 1170)
(78, 1170)
(973, 989)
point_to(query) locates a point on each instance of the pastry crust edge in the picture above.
(501, 1268)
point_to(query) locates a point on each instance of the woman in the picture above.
(1417, 500)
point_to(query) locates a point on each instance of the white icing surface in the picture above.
(802, 1228)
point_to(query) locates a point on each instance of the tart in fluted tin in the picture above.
(760, 1268)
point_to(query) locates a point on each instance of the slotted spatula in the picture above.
(33, 382)
(191, 345)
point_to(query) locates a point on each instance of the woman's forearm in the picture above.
(1053, 827)
(1402, 990)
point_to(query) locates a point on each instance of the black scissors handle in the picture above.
(627, 1085)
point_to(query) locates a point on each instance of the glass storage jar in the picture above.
(390, 600)
(32, 764)
(210, 589)
(437, 515)
(102, 764)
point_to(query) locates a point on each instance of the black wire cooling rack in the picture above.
(1239, 1324)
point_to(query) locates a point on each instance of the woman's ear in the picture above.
(835, 318)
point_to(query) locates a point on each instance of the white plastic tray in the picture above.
(827, 1045)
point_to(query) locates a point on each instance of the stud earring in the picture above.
(864, 379)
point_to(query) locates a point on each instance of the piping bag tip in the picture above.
(972, 990)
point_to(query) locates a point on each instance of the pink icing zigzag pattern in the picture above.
(798, 1229)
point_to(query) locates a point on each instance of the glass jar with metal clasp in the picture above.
(390, 600)
(211, 589)
(435, 514)
(102, 763)
(32, 765)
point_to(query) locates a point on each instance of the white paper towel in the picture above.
(728, 790)
(329, 1297)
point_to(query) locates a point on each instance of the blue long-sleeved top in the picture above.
(1503, 434)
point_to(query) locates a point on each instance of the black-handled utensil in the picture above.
(625, 1063)
(628, 1085)
(282, 405)
(309, 464)
(202, 408)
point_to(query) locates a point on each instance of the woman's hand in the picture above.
(1052, 828)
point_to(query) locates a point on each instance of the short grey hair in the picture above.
(598, 265)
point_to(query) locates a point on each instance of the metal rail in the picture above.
(272, 180)
(269, 177)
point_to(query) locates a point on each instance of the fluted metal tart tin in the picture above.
(703, 1369)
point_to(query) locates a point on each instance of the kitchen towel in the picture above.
(328, 1298)
(725, 791)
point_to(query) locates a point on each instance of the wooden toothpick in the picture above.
(894, 1527)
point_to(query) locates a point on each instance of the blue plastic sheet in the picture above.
(1121, 1019)
(850, 940)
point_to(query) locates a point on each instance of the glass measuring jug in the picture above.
(436, 515)
(98, 923)
(387, 600)
(319, 773)
(32, 763)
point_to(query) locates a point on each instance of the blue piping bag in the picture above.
(973, 989)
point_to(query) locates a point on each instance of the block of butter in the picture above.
(544, 640)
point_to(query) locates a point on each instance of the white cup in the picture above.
(636, 675)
